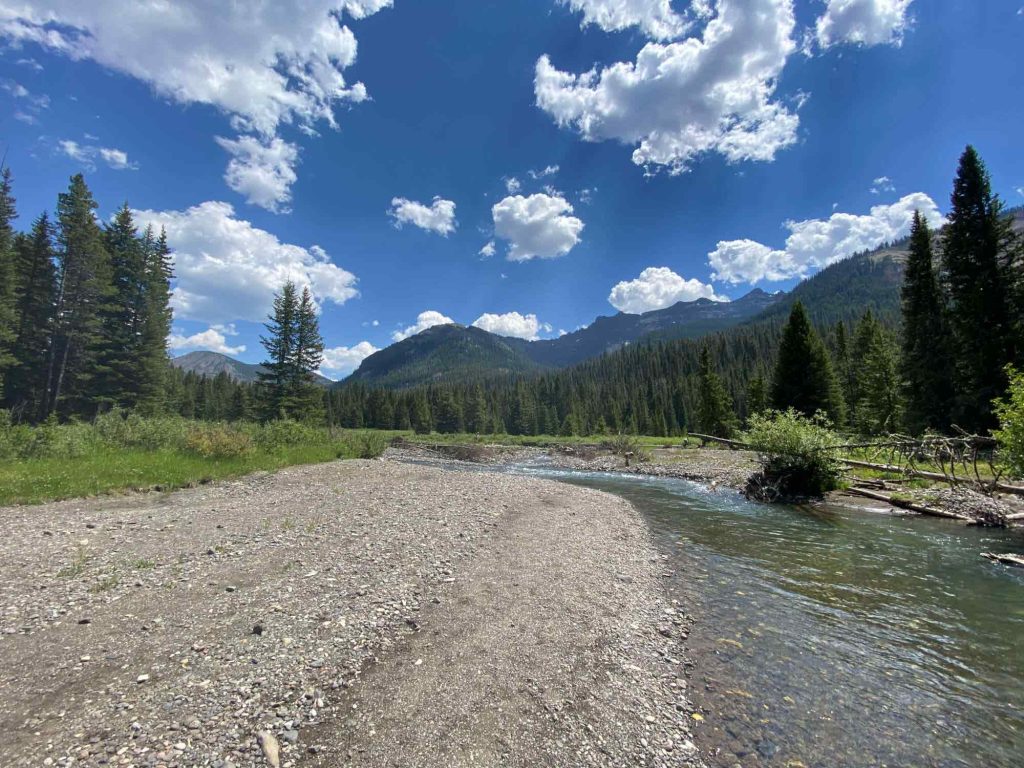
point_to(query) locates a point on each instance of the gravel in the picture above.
(710, 465)
(352, 613)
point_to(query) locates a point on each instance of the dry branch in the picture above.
(909, 505)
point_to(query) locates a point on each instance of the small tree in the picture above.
(796, 454)
(1010, 412)
(287, 385)
(804, 379)
(714, 411)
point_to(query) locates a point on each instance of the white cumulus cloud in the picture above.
(344, 360)
(424, 320)
(714, 93)
(816, 243)
(512, 324)
(862, 22)
(262, 171)
(488, 250)
(654, 17)
(360, 9)
(262, 63)
(657, 288)
(226, 269)
(539, 226)
(88, 154)
(437, 217)
(213, 338)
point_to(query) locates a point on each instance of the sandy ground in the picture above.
(353, 613)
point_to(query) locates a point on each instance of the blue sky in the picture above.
(523, 165)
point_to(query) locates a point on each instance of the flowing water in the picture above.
(838, 637)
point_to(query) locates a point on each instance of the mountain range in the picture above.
(840, 292)
(210, 364)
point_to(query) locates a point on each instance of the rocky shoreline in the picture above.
(352, 613)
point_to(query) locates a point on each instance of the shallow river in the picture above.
(838, 637)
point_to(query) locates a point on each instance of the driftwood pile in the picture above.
(966, 463)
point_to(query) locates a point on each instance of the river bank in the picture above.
(354, 613)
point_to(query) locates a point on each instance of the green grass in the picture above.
(30, 481)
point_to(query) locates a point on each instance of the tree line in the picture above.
(84, 317)
(934, 364)
(84, 310)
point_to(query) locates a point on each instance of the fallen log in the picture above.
(1005, 559)
(722, 440)
(1001, 487)
(909, 505)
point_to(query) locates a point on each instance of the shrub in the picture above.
(796, 455)
(363, 445)
(1010, 412)
(218, 441)
(121, 429)
(285, 433)
(627, 446)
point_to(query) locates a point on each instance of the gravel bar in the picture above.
(364, 613)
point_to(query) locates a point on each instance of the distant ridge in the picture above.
(210, 364)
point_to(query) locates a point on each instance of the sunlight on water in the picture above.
(841, 637)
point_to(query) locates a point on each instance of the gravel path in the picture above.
(353, 613)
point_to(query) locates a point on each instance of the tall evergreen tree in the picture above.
(116, 374)
(714, 410)
(976, 281)
(879, 408)
(84, 288)
(926, 363)
(155, 324)
(287, 384)
(7, 275)
(757, 396)
(804, 378)
(309, 355)
(34, 308)
(843, 368)
(276, 380)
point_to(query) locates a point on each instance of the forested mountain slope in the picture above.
(444, 353)
(683, 320)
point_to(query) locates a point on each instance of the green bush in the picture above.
(363, 445)
(796, 455)
(1010, 412)
(285, 433)
(218, 441)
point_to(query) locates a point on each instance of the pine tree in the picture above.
(420, 417)
(115, 376)
(84, 288)
(804, 379)
(977, 285)
(448, 418)
(844, 371)
(714, 412)
(757, 396)
(879, 409)
(309, 355)
(7, 275)
(276, 380)
(476, 411)
(155, 325)
(926, 364)
(34, 307)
